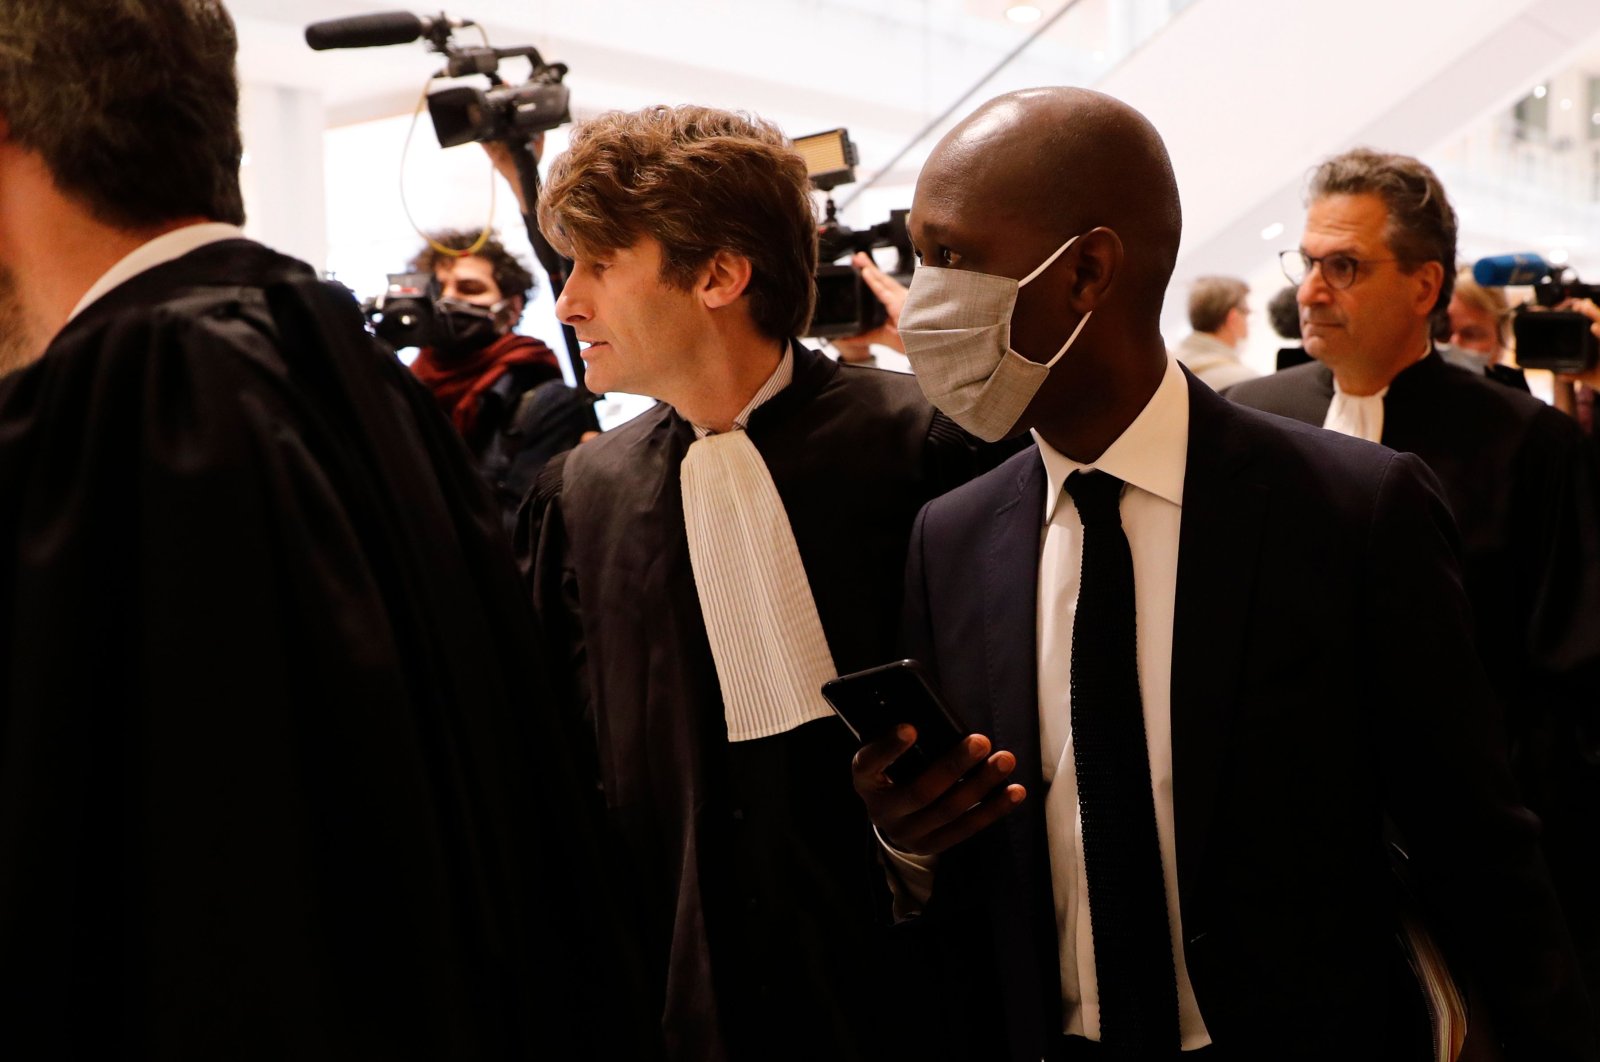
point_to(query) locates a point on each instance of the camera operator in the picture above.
(1585, 384)
(857, 350)
(504, 392)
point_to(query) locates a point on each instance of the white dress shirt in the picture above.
(1149, 456)
(159, 251)
(1358, 416)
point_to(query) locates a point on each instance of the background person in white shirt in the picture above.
(1294, 656)
(1220, 317)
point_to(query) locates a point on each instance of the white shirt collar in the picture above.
(1151, 453)
(159, 251)
(780, 378)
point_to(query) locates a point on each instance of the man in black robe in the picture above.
(1375, 262)
(760, 902)
(272, 778)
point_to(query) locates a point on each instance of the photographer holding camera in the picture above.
(857, 349)
(504, 392)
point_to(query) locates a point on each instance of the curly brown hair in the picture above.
(510, 275)
(696, 180)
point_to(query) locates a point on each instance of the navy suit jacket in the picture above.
(1323, 681)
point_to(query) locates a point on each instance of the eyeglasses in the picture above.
(1338, 270)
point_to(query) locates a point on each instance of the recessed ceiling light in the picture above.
(1273, 231)
(1566, 105)
(1539, 92)
(1023, 13)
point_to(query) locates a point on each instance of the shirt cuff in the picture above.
(910, 878)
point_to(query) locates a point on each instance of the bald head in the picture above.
(1056, 162)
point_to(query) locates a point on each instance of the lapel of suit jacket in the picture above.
(1010, 596)
(1023, 915)
(1224, 508)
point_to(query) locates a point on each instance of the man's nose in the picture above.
(1313, 289)
(571, 307)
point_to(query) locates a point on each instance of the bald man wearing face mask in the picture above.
(1205, 653)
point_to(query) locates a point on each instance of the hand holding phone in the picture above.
(873, 702)
(946, 792)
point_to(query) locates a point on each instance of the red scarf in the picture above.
(458, 385)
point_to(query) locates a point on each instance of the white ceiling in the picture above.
(1248, 93)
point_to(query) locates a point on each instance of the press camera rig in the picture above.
(513, 115)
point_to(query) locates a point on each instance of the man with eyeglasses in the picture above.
(1377, 259)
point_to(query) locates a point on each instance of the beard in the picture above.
(19, 346)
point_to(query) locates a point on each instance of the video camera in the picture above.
(403, 315)
(845, 305)
(463, 114)
(1547, 338)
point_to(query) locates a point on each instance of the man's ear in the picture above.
(724, 279)
(1430, 278)
(1096, 262)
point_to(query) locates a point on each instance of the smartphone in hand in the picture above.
(873, 702)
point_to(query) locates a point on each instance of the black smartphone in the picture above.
(875, 701)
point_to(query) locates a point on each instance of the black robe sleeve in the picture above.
(953, 456)
(273, 780)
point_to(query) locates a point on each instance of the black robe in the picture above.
(761, 905)
(275, 780)
(1523, 489)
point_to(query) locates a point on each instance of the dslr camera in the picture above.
(845, 305)
(1547, 338)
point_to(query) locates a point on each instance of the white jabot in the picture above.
(1150, 456)
(159, 251)
(766, 639)
(1360, 416)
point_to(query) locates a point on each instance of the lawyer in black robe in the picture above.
(1523, 490)
(274, 776)
(759, 897)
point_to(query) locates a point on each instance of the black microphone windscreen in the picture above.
(1510, 270)
(364, 31)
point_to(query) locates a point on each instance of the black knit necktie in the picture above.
(1122, 856)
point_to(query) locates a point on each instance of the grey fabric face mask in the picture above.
(956, 327)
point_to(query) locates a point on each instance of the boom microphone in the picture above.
(374, 31)
(1510, 270)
